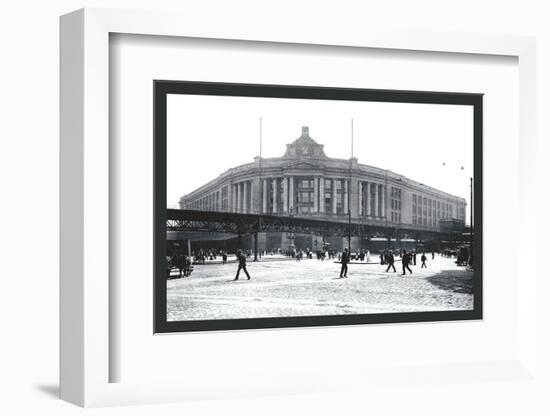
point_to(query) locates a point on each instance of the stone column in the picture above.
(246, 190)
(285, 195)
(240, 198)
(369, 209)
(243, 196)
(322, 194)
(246, 196)
(376, 201)
(274, 183)
(264, 196)
(346, 190)
(334, 196)
(315, 194)
(253, 186)
(353, 196)
(383, 201)
(291, 195)
(235, 197)
(249, 197)
(360, 199)
(238, 194)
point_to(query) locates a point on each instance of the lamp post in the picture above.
(471, 262)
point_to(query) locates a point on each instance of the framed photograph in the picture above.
(262, 222)
(187, 148)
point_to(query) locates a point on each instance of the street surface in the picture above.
(281, 287)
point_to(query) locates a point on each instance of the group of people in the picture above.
(184, 263)
(407, 258)
(181, 262)
(361, 256)
(323, 255)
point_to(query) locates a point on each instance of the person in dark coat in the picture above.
(178, 260)
(242, 265)
(414, 258)
(423, 259)
(345, 261)
(224, 257)
(390, 259)
(406, 259)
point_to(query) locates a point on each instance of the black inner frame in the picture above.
(161, 88)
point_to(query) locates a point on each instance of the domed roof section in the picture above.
(304, 147)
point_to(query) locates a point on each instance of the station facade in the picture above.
(305, 182)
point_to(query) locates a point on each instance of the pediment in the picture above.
(304, 147)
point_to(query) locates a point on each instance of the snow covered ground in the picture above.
(282, 288)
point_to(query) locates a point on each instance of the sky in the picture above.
(206, 135)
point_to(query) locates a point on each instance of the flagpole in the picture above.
(352, 137)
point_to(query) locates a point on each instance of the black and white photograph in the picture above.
(304, 206)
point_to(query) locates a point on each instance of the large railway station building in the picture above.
(305, 182)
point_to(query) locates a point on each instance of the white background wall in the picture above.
(29, 204)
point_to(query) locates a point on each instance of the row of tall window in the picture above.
(395, 204)
(427, 211)
(331, 200)
(305, 194)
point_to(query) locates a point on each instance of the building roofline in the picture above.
(359, 167)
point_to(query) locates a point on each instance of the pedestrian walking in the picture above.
(224, 257)
(423, 259)
(433, 254)
(242, 265)
(179, 262)
(414, 258)
(405, 260)
(345, 261)
(390, 259)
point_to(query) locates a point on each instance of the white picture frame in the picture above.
(85, 221)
